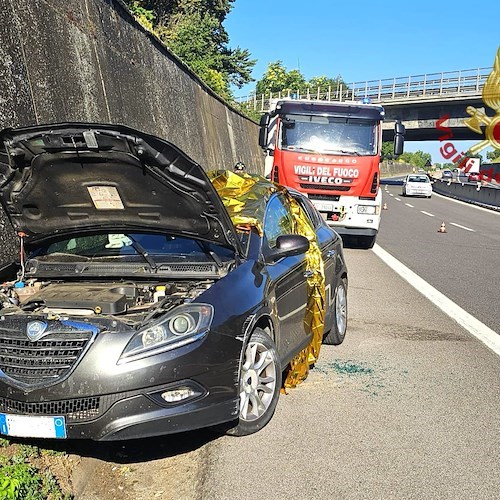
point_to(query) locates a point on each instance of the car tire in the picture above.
(260, 384)
(337, 333)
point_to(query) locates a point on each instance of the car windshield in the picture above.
(418, 178)
(328, 134)
(106, 245)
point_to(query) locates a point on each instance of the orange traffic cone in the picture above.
(442, 228)
(384, 206)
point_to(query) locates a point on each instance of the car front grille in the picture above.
(76, 410)
(44, 361)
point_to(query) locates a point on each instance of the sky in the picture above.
(367, 40)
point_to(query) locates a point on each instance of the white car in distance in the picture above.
(417, 185)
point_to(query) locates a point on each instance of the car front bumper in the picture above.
(105, 400)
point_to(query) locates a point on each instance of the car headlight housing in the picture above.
(367, 209)
(183, 325)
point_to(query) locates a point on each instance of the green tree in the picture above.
(493, 156)
(325, 83)
(194, 31)
(419, 159)
(278, 79)
(387, 149)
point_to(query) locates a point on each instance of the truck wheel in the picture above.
(337, 334)
(260, 384)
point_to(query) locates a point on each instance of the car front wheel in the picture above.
(337, 334)
(260, 383)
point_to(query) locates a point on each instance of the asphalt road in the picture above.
(406, 408)
(463, 263)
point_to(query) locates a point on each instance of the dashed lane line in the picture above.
(390, 194)
(475, 327)
(396, 198)
(462, 227)
(408, 205)
(426, 213)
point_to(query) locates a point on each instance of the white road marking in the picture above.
(408, 205)
(396, 198)
(462, 227)
(475, 327)
(467, 204)
(390, 194)
(426, 213)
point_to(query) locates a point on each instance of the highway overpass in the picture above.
(418, 101)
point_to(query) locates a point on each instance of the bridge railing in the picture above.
(448, 84)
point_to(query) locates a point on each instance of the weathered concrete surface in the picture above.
(88, 60)
(392, 168)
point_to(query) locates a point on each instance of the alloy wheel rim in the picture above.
(341, 310)
(258, 381)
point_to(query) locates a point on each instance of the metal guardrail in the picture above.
(449, 84)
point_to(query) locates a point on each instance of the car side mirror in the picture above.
(288, 245)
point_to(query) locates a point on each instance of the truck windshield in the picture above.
(328, 134)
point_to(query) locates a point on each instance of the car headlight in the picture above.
(183, 325)
(367, 209)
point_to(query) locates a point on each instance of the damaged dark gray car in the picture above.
(135, 307)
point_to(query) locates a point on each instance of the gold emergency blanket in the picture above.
(245, 197)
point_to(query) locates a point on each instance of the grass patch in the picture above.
(21, 479)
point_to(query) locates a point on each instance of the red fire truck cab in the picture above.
(331, 152)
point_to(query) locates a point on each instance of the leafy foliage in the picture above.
(278, 79)
(144, 16)
(418, 158)
(194, 31)
(494, 155)
(20, 480)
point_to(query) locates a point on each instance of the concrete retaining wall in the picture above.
(88, 60)
(390, 168)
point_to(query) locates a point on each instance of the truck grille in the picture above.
(44, 361)
(324, 187)
(327, 197)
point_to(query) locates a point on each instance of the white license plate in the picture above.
(324, 207)
(32, 427)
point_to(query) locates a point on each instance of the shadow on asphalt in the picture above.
(131, 451)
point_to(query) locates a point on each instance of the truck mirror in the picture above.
(264, 122)
(399, 138)
(399, 128)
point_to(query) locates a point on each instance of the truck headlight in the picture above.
(367, 209)
(183, 325)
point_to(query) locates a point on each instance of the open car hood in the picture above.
(78, 177)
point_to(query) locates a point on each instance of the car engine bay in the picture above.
(95, 298)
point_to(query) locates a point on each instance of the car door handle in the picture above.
(308, 274)
(330, 253)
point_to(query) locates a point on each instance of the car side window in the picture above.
(314, 218)
(278, 220)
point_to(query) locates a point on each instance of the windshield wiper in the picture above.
(211, 254)
(342, 151)
(142, 251)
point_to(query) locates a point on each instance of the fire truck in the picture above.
(331, 152)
